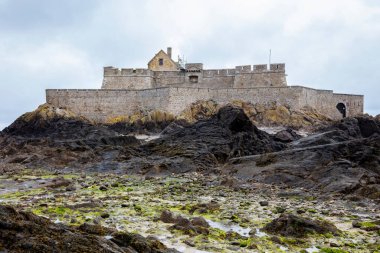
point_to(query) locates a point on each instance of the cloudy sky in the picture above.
(65, 44)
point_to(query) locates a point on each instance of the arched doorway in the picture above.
(342, 109)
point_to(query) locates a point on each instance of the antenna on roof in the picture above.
(181, 61)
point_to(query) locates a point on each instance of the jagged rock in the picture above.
(197, 225)
(141, 121)
(287, 135)
(297, 226)
(368, 126)
(26, 232)
(335, 159)
(228, 134)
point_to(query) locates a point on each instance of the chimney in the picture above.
(169, 52)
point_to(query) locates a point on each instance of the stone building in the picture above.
(170, 86)
(162, 71)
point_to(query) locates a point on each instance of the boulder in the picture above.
(297, 226)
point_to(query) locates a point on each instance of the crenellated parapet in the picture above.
(127, 78)
(112, 71)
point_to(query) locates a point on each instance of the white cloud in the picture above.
(49, 59)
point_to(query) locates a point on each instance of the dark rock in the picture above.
(199, 221)
(334, 244)
(276, 239)
(287, 135)
(264, 203)
(167, 217)
(71, 188)
(337, 160)
(103, 188)
(205, 207)
(368, 126)
(139, 243)
(105, 215)
(301, 211)
(279, 209)
(59, 182)
(95, 229)
(195, 226)
(291, 225)
(26, 232)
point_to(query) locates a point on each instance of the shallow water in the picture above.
(234, 228)
(312, 249)
(147, 138)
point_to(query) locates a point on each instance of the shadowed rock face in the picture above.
(26, 232)
(343, 158)
(297, 226)
(210, 142)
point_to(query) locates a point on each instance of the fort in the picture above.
(171, 86)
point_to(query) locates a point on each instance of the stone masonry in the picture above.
(169, 86)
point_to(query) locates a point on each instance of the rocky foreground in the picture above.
(211, 181)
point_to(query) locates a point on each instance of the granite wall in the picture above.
(100, 105)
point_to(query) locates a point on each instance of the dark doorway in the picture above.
(342, 109)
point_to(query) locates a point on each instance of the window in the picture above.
(161, 61)
(193, 79)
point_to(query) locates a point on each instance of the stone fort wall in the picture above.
(247, 76)
(102, 104)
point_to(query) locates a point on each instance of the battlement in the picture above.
(112, 71)
(275, 67)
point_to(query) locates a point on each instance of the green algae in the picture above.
(332, 250)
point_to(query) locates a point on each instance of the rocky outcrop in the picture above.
(213, 141)
(141, 122)
(297, 226)
(343, 158)
(67, 141)
(261, 115)
(279, 115)
(194, 226)
(26, 232)
(52, 136)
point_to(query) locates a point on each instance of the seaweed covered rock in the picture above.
(199, 110)
(141, 122)
(297, 226)
(26, 232)
(194, 226)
